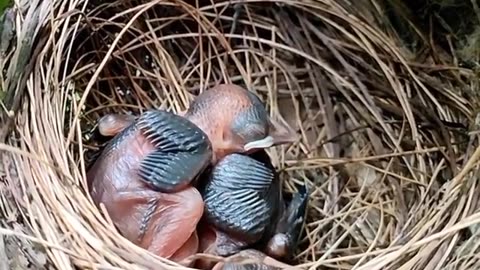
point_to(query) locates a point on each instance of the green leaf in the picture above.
(4, 4)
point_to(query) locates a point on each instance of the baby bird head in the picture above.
(236, 121)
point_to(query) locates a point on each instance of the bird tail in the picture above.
(295, 214)
(291, 223)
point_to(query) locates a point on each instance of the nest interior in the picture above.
(386, 144)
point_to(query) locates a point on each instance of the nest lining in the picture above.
(384, 145)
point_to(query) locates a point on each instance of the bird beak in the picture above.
(279, 134)
(182, 113)
(263, 143)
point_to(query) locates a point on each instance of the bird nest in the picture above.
(386, 146)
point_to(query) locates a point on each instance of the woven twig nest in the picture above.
(384, 144)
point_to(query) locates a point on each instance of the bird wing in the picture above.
(182, 150)
(240, 172)
(235, 196)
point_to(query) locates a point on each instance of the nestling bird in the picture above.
(236, 121)
(244, 208)
(145, 175)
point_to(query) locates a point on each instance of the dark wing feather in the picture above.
(235, 196)
(240, 172)
(182, 150)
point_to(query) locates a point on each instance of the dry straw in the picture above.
(384, 142)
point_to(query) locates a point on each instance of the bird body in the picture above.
(161, 222)
(147, 175)
(245, 209)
